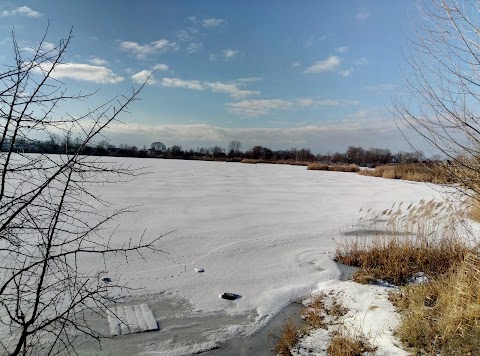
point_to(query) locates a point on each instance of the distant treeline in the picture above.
(354, 155)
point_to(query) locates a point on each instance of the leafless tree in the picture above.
(48, 217)
(234, 147)
(442, 78)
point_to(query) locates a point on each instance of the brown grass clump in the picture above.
(314, 313)
(251, 161)
(420, 239)
(344, 168)
(288, 339)
(474, 210)
(321, 312)
(416, 172)
(317, 167)
(443, 316)
(333, 167)
(344, 344)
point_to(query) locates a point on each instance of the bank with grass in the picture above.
(422, 261)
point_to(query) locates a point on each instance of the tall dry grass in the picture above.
(344, 343)
(289, 162)
(413, 171)
(443, 316)
(288, 339)
(395, 244)
(333, 167)
(440, 315)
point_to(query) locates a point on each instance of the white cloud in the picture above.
(98, 61)
(83, 72)
(326, 65)
(212, 22)
(142, 51)
(22, 11)
(161, 67)
(146, 76)
(194, 47)
(232, 89)
(346, 72)
(341, 49)
(262, 107)
(226, 54)
(367, 128)
(45, 46)
(183, 35)
(313, 39)
(180, 83)
(247, 80)
(361, 61)
(362, 15)
(381, 87)
(295, 64)
(229, 53)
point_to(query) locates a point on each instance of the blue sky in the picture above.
(316, 74)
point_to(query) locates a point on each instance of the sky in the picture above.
(282, 74)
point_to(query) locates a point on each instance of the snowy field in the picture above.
(264, 232)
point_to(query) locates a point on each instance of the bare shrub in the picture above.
(48, 217)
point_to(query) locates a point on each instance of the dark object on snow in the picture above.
(107, 280)
(229, 296)
(199, 270)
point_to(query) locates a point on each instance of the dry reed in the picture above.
(346, 344)
(288, 339)
(398, 243)
(413, 171)
(441, 314)
(333, 167)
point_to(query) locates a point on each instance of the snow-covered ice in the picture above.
(264, 232)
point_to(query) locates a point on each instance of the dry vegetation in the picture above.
(289, 162)
(401, 243)
(288, 339)
(333, 167)
(414, 172)
(324, 312)
(440, 315)
(345, 344)
(444, 314)
(417, 172)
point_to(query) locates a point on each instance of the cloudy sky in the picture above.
(316, 74)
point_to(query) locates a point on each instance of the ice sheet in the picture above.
(265, 232)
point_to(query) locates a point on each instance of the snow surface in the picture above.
(370, 314)
(264, 232)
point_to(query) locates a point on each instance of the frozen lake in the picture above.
(264, 232)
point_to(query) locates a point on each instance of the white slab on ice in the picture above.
(130, 319)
